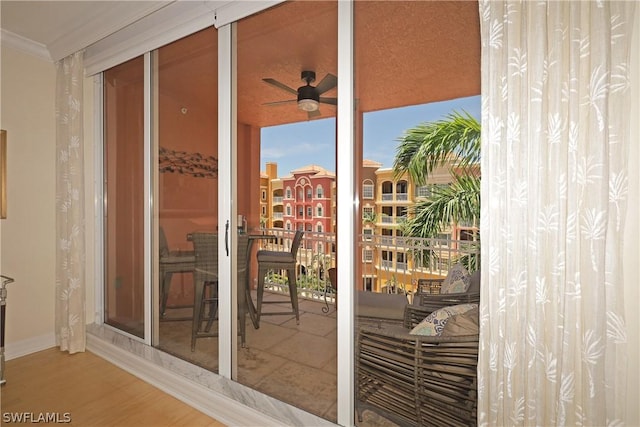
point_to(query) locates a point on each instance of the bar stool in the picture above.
(205, 274)
(206, 285)
(279, 260)
(171, 263)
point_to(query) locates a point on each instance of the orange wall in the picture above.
(248, 174)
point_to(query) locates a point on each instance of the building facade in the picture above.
(305, 200)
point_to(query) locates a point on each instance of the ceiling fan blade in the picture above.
(279, 85)
(289, 101)
(329, 82)
(332, 101)
(312, 114)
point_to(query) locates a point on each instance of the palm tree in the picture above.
(454, 141)
(433, 144)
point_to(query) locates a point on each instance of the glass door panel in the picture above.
(284, 53)
(417, 65)
(187, 197)
(124, 189)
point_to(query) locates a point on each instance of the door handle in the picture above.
(226, 237)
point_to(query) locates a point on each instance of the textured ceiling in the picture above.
(407, 52)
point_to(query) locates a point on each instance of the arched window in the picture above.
(319, 192)
(367, 189)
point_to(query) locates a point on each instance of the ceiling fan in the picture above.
(308, 97)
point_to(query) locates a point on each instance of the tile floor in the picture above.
(293, 363)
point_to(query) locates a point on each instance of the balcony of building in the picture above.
(306, 353)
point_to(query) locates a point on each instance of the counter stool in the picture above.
(279, 260)
(205, 274)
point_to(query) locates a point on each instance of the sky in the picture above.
(313, 142)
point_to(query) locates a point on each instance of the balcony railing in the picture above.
(421, 259)
(386, 219)
(315, 256)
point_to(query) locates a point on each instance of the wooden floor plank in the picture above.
(92, 391)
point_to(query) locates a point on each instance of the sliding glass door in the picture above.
(124, 192)
(185, 76)
(286, 155)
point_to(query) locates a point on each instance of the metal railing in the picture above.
(408, 259)
(315, 256)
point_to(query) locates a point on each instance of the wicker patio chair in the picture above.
(206, 285)
(428, 301)
(380, 309)
(172, 262)
(416, 380)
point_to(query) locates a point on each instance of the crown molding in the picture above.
(86, 32)
(25, 45)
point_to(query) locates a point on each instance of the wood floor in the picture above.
(90, 391)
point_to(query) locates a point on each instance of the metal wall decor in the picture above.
(185, 163)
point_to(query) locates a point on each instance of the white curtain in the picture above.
(70, 223)
(555, 121)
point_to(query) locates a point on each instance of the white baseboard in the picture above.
(28, 346)
(222, 408)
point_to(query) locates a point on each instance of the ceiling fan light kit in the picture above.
(308, 104)
(308, 97)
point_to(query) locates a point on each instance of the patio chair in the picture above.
(418, 380)
(433, 294)
(279, 261)
(378, 308)
(172, 262)
(206, 285)
(333, 287)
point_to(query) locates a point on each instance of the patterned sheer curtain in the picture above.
(555, 118)
(70, 224)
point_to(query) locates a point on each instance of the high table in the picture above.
(245, 301)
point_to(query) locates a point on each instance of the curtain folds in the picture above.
(555, 118)
(70, 222)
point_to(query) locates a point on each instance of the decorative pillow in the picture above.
(433, 324)
(457, 281)
(462, 324)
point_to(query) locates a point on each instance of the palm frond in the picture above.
(429, 145)
(456, 203)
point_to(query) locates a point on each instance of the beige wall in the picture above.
(28, 232)
(27, 236)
